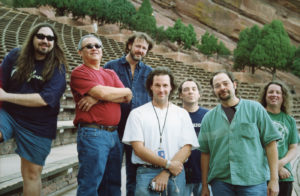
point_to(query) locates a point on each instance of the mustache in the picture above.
(224, 91)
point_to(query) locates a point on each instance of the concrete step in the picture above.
(71, 191)
(59, 176)
(59, 171)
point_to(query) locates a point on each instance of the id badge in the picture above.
(161, 153)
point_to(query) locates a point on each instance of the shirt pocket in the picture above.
(248, 130)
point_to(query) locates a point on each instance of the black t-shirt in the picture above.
(229, 111)
(192, 166)
(42, 121)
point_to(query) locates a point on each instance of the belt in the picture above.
(148, 166)
(97, 126)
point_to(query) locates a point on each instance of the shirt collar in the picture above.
(124, 62)
(236, 106)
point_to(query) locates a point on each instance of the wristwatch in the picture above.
(168, 164)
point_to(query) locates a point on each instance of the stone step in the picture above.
(59, 171)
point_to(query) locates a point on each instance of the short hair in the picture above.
(188, 80)
(158, 72)
(230, 76)
(79, 47)
(139, 35)
(286, 103)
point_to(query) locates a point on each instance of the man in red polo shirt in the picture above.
(98, 142)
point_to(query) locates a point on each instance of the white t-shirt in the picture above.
(142, 125)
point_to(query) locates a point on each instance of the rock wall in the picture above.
(230, 17)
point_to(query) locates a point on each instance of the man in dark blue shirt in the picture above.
(33, 81)
(133, 73)
(189, 94)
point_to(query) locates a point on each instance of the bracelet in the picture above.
(168, 164)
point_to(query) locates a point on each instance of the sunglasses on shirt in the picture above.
(42, 37)
(91, 46)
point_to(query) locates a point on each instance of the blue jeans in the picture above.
(175, 187)
(225, 189)
(195, 188)
(96, 149)
(130, 171)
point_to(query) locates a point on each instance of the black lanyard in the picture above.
(161, 131)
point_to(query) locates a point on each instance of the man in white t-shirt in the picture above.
(162, 136)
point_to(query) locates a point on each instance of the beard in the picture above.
(43, 51)
(134, 57)
(226, 98)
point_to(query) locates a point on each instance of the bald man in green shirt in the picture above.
(238, 145)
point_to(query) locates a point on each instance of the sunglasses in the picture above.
(91, 46)
(42, 37)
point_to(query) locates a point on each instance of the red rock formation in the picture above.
(230, 17)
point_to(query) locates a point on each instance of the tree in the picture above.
(120, 11)
(191, 37)
(24, 3)
(241, 53)
(78, 8)
(222, 50)
(43, 2)
(98, 10)
(61, 6)
(277, 47)
(268, 48)
(295, 67)
(144, 20)
(184, 36)
(248, 39)
(209, 44)
(160, 34)
(146, 8)
(257, 57)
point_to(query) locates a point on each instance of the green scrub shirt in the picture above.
(236, 149)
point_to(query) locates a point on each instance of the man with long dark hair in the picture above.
(275, 97)
(33, 81)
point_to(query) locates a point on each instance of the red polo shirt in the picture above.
(83, 78)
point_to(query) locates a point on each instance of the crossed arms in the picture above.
(104, 93)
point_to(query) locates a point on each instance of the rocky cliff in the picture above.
(230, 17)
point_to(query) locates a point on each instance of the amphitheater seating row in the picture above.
(15, 26)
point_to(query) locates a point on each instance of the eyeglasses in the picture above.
(91, 46)
(42, 37)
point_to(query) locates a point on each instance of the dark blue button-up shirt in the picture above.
(137, 84)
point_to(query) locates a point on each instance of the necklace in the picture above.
(161, 131)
